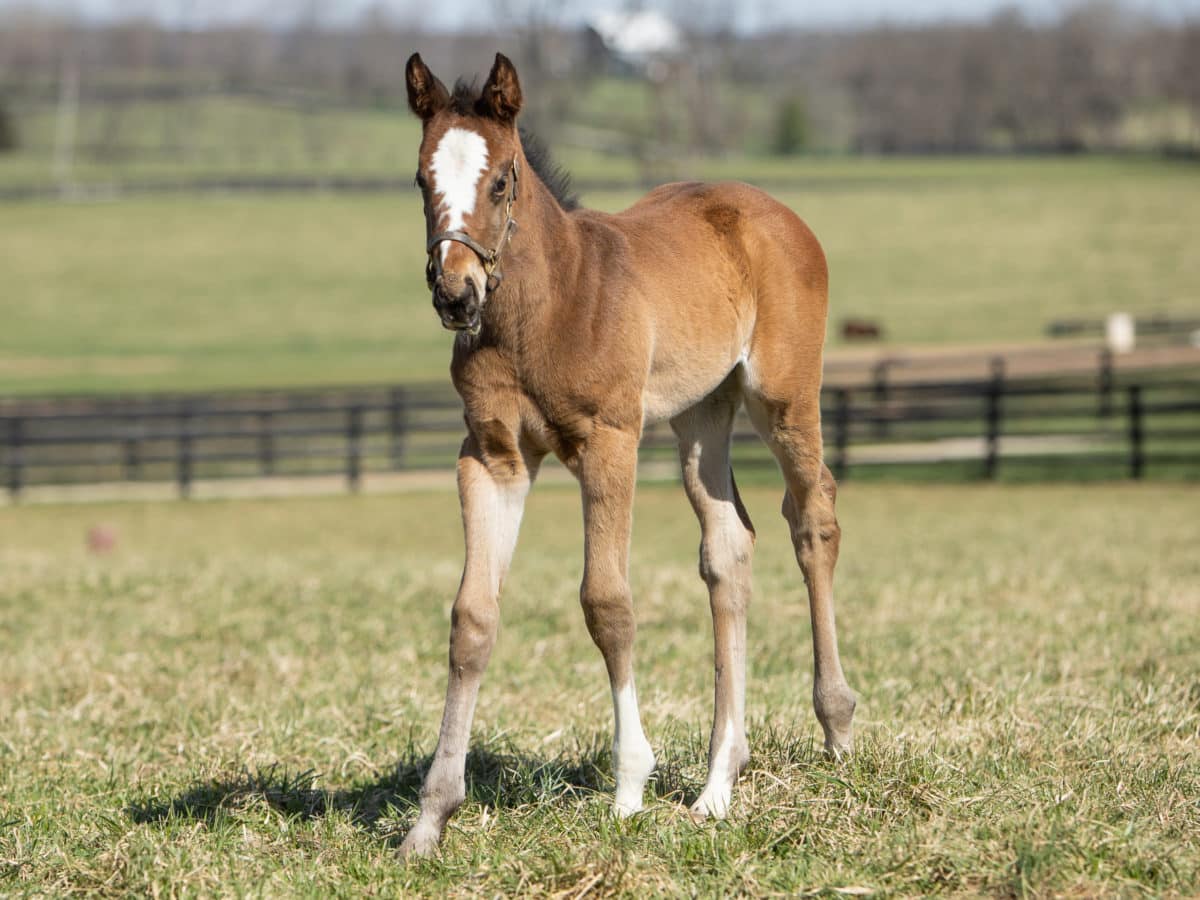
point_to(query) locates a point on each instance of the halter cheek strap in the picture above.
(489, 258)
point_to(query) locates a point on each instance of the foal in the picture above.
(574, 331)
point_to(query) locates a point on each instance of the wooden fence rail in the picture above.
(969, 428)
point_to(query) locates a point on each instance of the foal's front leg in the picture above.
(607, 475)
(492, 493)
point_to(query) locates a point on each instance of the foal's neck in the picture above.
(540, 263)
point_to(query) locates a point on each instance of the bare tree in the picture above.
(544, 51)
(1006, 83)
(1185, 79)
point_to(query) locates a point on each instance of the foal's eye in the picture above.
(500, 185)
(420, 182)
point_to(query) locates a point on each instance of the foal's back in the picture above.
(721, 275)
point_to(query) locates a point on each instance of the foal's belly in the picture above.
(672, 389)
(697, 335)
(693, 353)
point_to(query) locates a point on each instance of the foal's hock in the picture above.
(574, 329)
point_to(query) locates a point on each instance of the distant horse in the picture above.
(574, 331)
(861, 330)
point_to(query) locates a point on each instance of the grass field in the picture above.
(199, 292)
(213, 134)
(210, 134)
(241, 698)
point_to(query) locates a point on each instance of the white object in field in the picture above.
(637, 36)
(1194, 338)
(1119, 333)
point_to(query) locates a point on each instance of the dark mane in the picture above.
(466, 101)
(554, 176)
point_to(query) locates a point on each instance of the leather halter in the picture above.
(489, 258)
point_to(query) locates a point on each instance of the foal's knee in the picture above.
(726, 554)
(474, 622)
(608, 611)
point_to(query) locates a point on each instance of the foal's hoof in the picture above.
(712, 804)
(419, 842)
(625, 810)
(835, 711)
(839, 752)
(839, 748)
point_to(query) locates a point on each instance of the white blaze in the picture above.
(460, 158)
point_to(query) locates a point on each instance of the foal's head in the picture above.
(467, 172)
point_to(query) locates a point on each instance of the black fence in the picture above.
(1107, 427)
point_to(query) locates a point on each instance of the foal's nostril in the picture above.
(456, 301)
(454, 289)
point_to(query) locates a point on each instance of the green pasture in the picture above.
(191, 292)
(241, 698)
(600, 127)
(211, 136)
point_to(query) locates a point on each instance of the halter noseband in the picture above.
(489, 258)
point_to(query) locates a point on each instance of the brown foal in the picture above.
(574, 330)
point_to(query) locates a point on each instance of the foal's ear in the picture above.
(427, 96)
(502, 93)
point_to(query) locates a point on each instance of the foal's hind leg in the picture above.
(793, 432)
(726, 548)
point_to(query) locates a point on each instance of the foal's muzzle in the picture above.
(459, 311)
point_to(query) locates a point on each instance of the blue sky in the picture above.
(452, 14)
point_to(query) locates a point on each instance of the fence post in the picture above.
(1137, 459)
(15, 459)
(354, 447)
(133, 462)
(266, 443)
(841, 433)
(880, 389)
(1104, 383)
(994, 413)
(185, 452)
(396, 427)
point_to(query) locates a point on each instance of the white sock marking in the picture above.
(718, 791)
(460, 158)
(633, 759)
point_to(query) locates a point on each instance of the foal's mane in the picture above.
(467, 101)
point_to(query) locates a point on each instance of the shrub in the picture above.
(8, 130)
(791, 127)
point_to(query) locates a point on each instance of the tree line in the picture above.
(1096, 78)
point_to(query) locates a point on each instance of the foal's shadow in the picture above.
(498, 779)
